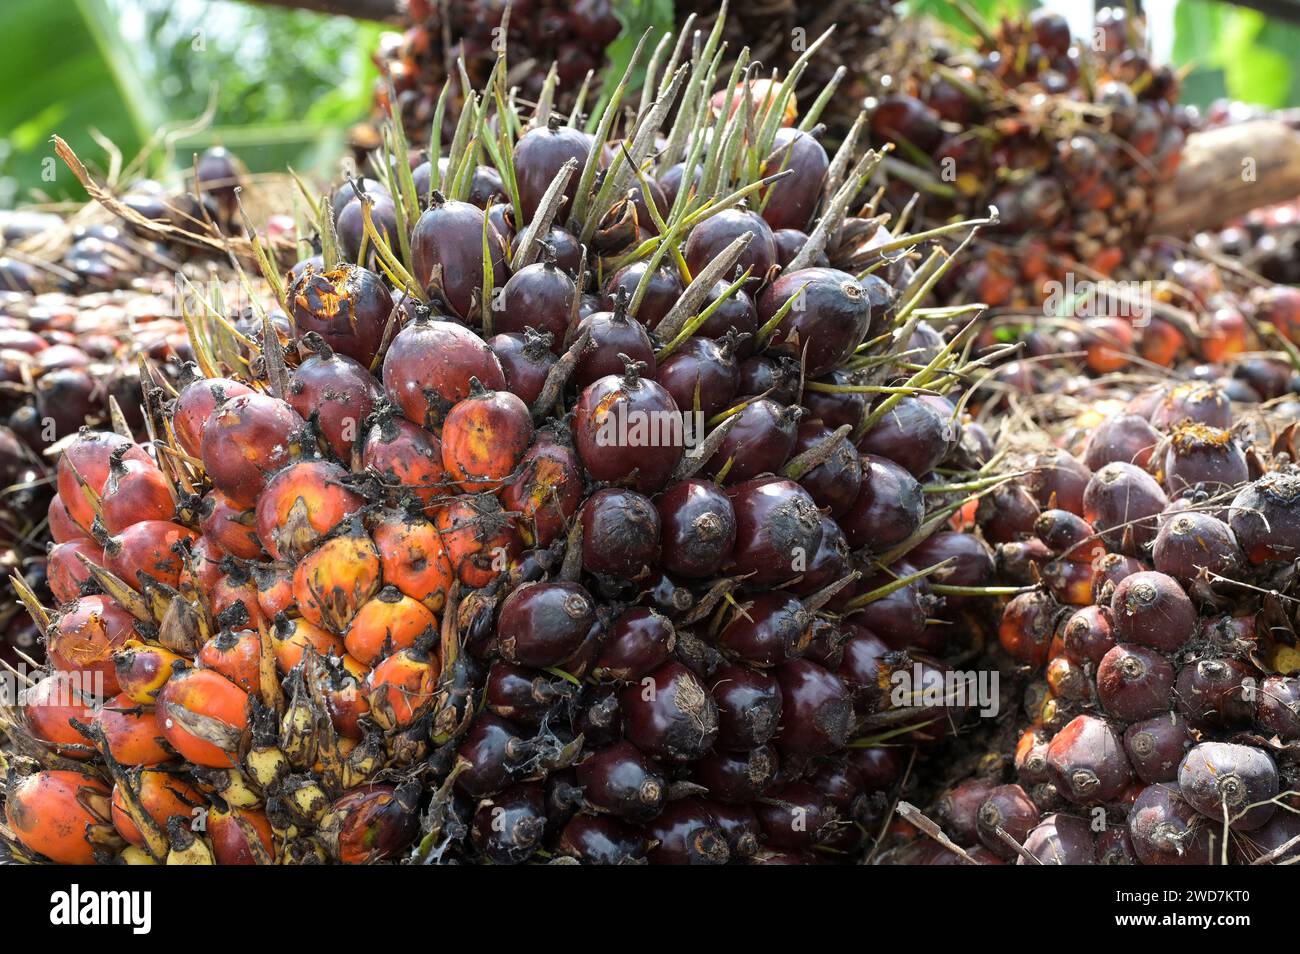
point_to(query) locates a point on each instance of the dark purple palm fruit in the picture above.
(669, 714)
(671, 181)
(1265, 517)
(799, 816)
(1128, 438)
(614, 334)
(859, 668)
(526, 359)
(1008, 515)
(628, 430)
(778, 529)
(1205, 457)
(508, 827)
(1087, 763)
(340, 391)
(1194, 401)
(703, 366)
(620, 780)
(773, 627)
(1061, 840)
(544, 624)
(345, 193)
(523, 695)
(759, 442)
(219, 173)
(1155, 747)
(539, 154)
(1058, 480)
(1166, 830)
(602, 840)
(737, 777)
(1151, 609)
(831, 563)
(711, 237)
(889, 508)
(497, 755)
(1230, 783)
(790, 242)
(830, 316)
(348, 307)
(1122, 502)
(836, 477)
(639, 641)
(447, 253)
(972, 561)
(903, 118)
(958, 810)
(1134, 682)
(687, 834)
(915, 433)
(790, 202)
(775, 377)
(502, 218)
(1276, 838)
(899, 616)
(835, 408)
(1009, 810)
(620, 534)
(736, 314)
(1216, 693)
(1194, 546)
(351, 227)
(1279, 706)
(563, 244)
(664, 289)
(698, 528)
(484, 185)
(816, 710)
(749, 706)
(537, 296)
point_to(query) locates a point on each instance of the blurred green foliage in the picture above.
(283, 85)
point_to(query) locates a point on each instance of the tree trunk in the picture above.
(1226, 172)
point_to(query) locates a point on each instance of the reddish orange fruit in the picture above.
(84, 635)
(388, 622)
(204, 715)
(300, 505)
(414, 558)
(335, 579)
(51, 813)
(163, 796)
(483, 438)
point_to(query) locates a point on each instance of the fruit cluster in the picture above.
(1068, 140)
(594, 506)
(1159, 635)
(566, 39)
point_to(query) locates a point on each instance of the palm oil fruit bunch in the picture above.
(564, 39)
(610, 523)
(1157, 635)
(1203, 321)
(1068, 139)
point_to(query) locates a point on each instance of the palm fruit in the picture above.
(570, 41)
(1082, 134)
(587, 620)
(1160, 693)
